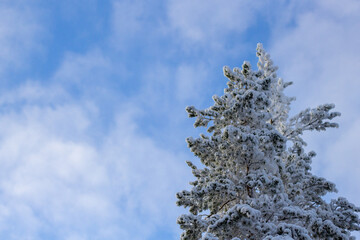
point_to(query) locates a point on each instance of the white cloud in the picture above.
(84, 69)
(208, 21)
(127, 22)
(343, 165)
(146, 175)
(190, 80)
(20, 33)
(57, 181)
(32, 92)
(321, 49)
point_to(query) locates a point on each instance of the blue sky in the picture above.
(92, 120)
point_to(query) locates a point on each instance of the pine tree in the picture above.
(256, 182)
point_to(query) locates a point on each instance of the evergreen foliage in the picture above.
(256, 182)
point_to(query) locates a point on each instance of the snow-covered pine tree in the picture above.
(256, 182)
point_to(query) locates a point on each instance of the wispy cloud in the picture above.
(205, 22)
(92, 68)
(54, 177)
(126, 21)
(20, 34)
